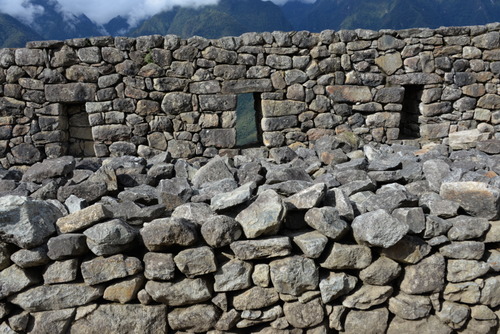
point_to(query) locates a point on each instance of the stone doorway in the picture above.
(80, 140)
(409, 126)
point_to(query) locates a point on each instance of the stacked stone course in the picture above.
(108, 96)
(331, 239)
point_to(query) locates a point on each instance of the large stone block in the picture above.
(247, 86)
(220, 138)
(70, 92)
(272, 108)
(351, 94)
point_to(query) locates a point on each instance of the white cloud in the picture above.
(23, 10)
(102, 11)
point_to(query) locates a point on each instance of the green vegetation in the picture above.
(246, 126)
(14, 34)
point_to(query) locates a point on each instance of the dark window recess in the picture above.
(248, 116)
(409, 125)
(80, 141)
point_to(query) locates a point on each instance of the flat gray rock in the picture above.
(57, 296)
(25, 222)
(264, 216)
(327, 221)
(294, 275)
(185, 292)
(378, 228)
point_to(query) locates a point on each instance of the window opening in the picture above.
(248, 116)
(80, 140)
(409, 124)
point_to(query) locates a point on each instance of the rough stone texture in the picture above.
(348, 257)
(197, 318)
(425, 276)
(159, 266)
(125, 319)
(165, 232)
(304, 315)
(368, 296)
(185, 292)
(327, 221)
(255, 298)
(261, 249)
(220, 231)
(15, 279)
(477, 198)
(233, 275)
(57, 297)
(110, 237)
(410, 307)
(102, 269)
(372, 322)
(196, 261)
(380, 272)
(83, 218)
(26, 222)
(263, 216)
(426, 325)
(336, 285)
(378, 228)
(294, 275)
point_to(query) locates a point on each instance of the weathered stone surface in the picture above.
(24, 258)
(465, 270)
(133, 319)
(390, 63)
(294, 275)
(165, 232)
(49, 168)
(425, 276)
(196, 261)
(304, 315)
(219, 138)
(83, 218)
(61, 272)
(368, 296)
(52, 321)
(26, 222)
(70, 92)
(327, 221)
(477, 198)
(261, 248)
(102, 269)
(336, 285)
(368, 322)
(255, 298)
(380, 272)
(66, 245)
(220, 231)
(57, 297)
(410, 249)
(233, 275)
(378, 228)
(233, 198)
(15, 279)
(466, 292)
(264, 216)
(271, 108)
(125, 290)
(159, 266)
(110, 237)
(465, 227)
(197, 318)
(348, 257)
(307, 198)
(410, 307)
(453, 314)
(312, 244)
(185, 292)
(490, 294)
(467, 250)
(426, 325)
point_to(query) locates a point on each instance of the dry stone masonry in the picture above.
(370, 204)
(107, 96)
(335, 238)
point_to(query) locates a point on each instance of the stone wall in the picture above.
(108, 96)
(335, 239)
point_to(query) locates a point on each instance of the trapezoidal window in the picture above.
(248, 116)
(80, 140)
(409, 124)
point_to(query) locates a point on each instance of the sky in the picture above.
(102, 11)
